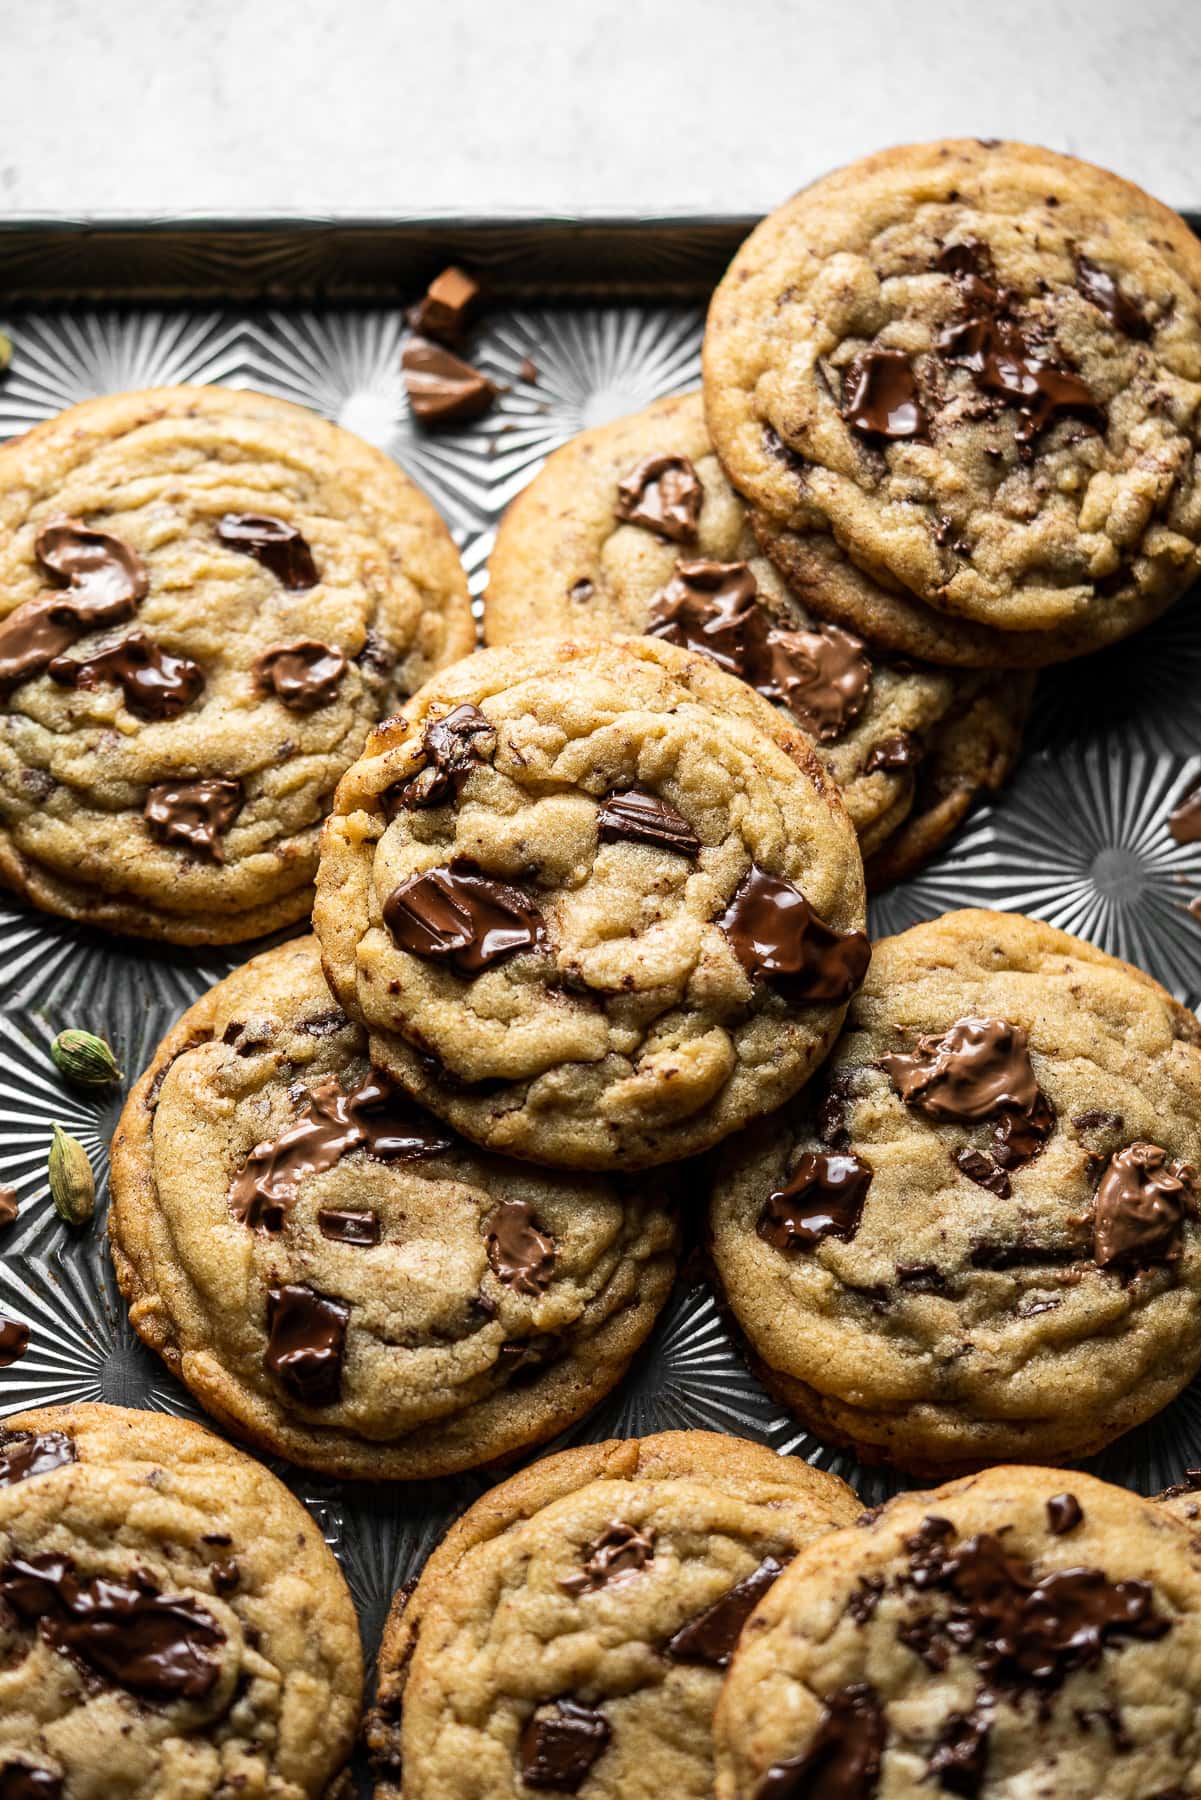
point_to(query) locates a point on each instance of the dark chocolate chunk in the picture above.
(27, 1453)
(279, 546)
(614, 1557)
(194, 815)
(959, 1759)
(1184, 821)
(663, 494)
(777, 935)
(306, 1341)
(1102, 291)
(824, 1198)
(14, 1341)
(984, 1171)
(458, 916)
(1003, 362)
(453, 746)
(225, 1576)
(823, 676)
(559, 1747)
(706, 606)
(646, 819)
(1143, 1199)
(100, 580)
(522, 1357)
(343, 1226)
(712, 1636)
(20, 1782)
(880, 397)
(1064, 1513)
(303, 674)
(894, 754)
(1096, 1120)
(843, 1758)
(446, 306)
(155, 683)
(521, 1256)
(442, 387)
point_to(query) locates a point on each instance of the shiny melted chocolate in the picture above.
(458, 916)
(1143, 1199)
(823, 1198)
(27, 1453)
(279, 546)
(619, 1553)
(560, 1746)
(454, 745)
(100, 581)
(880, 397)
(642, 818)
(18, 1781)
(521, 1256)
(707, 606)
(779, 938)
(155, 683)
(844, 1756)
(306, 1342)
(664, 495)
(303, 674)
(712, 1636)
(194, 815)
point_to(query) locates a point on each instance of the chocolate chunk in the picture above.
(706, 606)
(1096, 1120)
(14, 1341)
(1002, 361)
(446, 306)
(880, 397)
(225, 1576)
(1099, 287)
(194, 815)
(19, 1782)
(976, 1069)
(325, 1024)
(374, 1115)
(663, 494)
(558, 1748)
(894, 754)
(823, 1198)
(921, 1278)
(521, 1256)
(159, 1646)
(960, 1757)
(822, 676)
(843, 1758)
(155, 683)
(581, 590)
(646, 819)
(10, 1207)
(453, 746)
(832, 1109)
(441, 386)
(866, 1598)
(104, 579)
(27, 1453)
(522, 1357)
(1143, 1199)
(616, 1555)
(458, 916)
(306, 1341)
(303, 674)
(1019, 1136)
(984, 1171)
(1064, 1513)
(279, 546)
(777, 935)
(1184, 821)
(343, 1226)
(712, 1636)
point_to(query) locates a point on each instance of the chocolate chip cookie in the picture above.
(1024, 1631)
(634, 528)
(171, 1621)
(208, 599)
(960, 384)
(596, 904)
(340, 1279)
(976, 1236)
(571, 1631)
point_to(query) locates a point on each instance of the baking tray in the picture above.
(610, 313)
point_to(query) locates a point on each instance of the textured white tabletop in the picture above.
(378, 106)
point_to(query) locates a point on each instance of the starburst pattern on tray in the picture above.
(63, 966)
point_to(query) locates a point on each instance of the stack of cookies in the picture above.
(588, 978)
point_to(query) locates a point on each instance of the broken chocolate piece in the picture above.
(711, 1638)
(521, 1256)
(453, 746)
(664, 495)
(194, 815)
(279, 546)
(777, 935)
(843, 1758)
(303, 674)
(446, 306)
(27, 1453)
(458, 916)
(559, 1747)
(643, 818)
(306, 1341)
(442, 387)
(824, 1197)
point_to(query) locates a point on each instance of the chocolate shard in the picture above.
(453, 745)
(345, 1226)
(894, 755)
(711, 1638)
(560, 1746)
(844, 1755)
(521, 1256)
(155, 683)
(444, 310)
(194, 815)
(442, 388)
(100, 579)
(458, 916)
(1064, 1513)
(306, 1342)
(706, 607)
(984, 1171)
(643, 818)
(279, 546)
(27, 1453)
(303, 674)
(824, 1198)
(14, 1341)
(619, 1553)
(664, 495)
(880, 397)
(1143, 1199)
(1101, 290)
(778, 937)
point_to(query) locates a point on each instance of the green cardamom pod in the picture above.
(72, 1184)
(85, 1059)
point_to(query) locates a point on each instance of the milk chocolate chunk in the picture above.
(1064, 1513)
(20, 1782)
(643, 818)
(712, 1637)
(823, 1198)
(822, 676)
(894, 754)
(1143, 1199)
(1184, 821)
(100, 579)
(615, 1556)
(158, 1646)
(521, 1256)
(454, 745)
(303, 674)
(984, 1171)
(458, 916)
(843, 1760)
(10, 1207)
(27, 1453)
(777, 935)
(279, 546)
(194, 815)
(880, 397)
(559, 1747)
(442, 387)
(306, 1341)
(14, 1341)
(959, 1760)
(1099, 287)
(977, 1069)
(155, 683)
(706, 606)
(663, 494)
(342, 1225)
(446, 306)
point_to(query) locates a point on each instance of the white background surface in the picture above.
(378, 106)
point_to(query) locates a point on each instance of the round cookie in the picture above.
(1025, 1631)
(976, 1236)
(596, 904)
(209, 598)
(601, 543)
(966, 378)
(172, 1623)
(334, 1275)
(571, 1630)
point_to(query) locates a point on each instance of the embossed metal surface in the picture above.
(1079, 838)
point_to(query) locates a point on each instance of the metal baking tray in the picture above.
(610, 314)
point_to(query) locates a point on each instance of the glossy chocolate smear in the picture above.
(880, 397)
(823, 676)
(306, 1341)
(27, 1453)
(304, 674)
(843, 1760)
(14, 1341)
(824, 1198)
(616, 1555)
(558, 1748)
(977, 1069)
(712, 1637)
(453, 746)
(1143, 1199)
(663, 494)
(521, 1256)
(458, 916)
(1099, 287)
(894, 754)
(1064, 1513)
(1184, 821)
(374, 1115)
(156, 684)
(442, 387)
(274, 543)
(101, 580)
(777, 935)
(19, 1782)
(643, 818)
(1002, 361)
(194, 815)
(959, 1760)
(707, 606)
(345, 1226)
(158, 1646)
